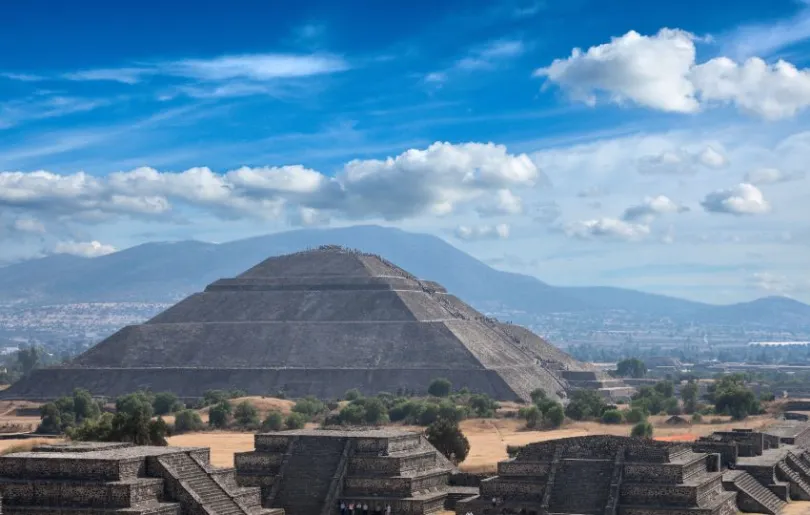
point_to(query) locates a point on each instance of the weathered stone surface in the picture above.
(603, 475)
(311, 471)
(316, 323)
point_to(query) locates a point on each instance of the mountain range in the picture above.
(166, 272)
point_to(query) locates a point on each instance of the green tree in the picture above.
(165, 403)
(246, 414)
(730, 395)
(448, 439)
(538, 395)
(555, 416)
(99, 429)
(665, 389)
(440, 387)
(219, 415)
(483, 405)
(29, 358)
(295, 421)
(131, 423)
(689, 395)
(187, 421)
(585, 404)
(158, 431)
(273, 422)
(212, 397)
(533, 416)
(631, 367)
(612, 416)
(635, 415)
(309, 406)
(51, 419)
(642, 430)
(352, 395)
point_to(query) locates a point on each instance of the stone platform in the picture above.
(102, 478)
(309, 472)
(604, 475)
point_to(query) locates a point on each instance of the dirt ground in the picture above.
(488, 437)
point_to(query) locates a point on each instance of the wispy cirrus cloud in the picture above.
(486, 57)
(767, 39)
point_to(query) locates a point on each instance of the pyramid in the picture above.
(317, 322)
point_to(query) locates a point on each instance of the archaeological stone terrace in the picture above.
(313, 471)
(98, 478)
(319, 322)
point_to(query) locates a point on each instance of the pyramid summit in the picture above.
(317, 322)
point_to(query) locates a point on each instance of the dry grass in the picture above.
(488, 437)
(14, 446)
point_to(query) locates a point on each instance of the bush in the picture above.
(212, 397)
(585, 404)
(555, 416)
(309, 406)
(538, 395)
(353, 394)
(219, 415)
(448, 439)
(165, 403)
(295, 421)
(635, 415)
(612, 416)
(697, 418)
(483, 405)
(533, 416)
(246, 414)
(187, 421)
(440, 387)
(273, 422)
(642, 430)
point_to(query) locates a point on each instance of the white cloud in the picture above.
(441, 179)
(84, 249)
(487, 56)
(780, 284)
(743, 199)
(610, 228)
(652, 207)
(762, 176)
(651, 71)
(28, 225)
(710, 157)
(258, 67)
(482, 232)
(770, 91)
(660, 72)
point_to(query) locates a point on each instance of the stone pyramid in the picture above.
(317, 322)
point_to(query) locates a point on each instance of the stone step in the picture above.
(153, 509)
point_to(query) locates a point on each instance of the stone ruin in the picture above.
(307, 472)
(318, 322)
(102, 478)
(604, 475)
(611, 388)
(767, 469)
(310, 472)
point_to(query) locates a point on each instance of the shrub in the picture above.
(309, 406)
(612, 416)
(428, 414)
(353, 394)
(246, 414)
(273, 422)
(642, 430)
(697, 418)
(585, 404)
(538, 395)
(295, 421)
(187, 421)
(440, 387)
(165, 403)
(635, 415)
(555, 416)
(483, 405)
(448, 439)
(219, 415)
(533, 416)
(212, 397)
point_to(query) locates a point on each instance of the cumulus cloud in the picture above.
(438, 180)
(84, 249)
(743, 199)
(652, 207)
(482, 232)
(609, 228)
(660, 72)
(761, 176)
(681, 161)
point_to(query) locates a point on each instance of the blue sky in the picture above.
(667, 154)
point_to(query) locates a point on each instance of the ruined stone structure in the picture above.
(605, 475)
(767, 469)
(309, 472)
(318, 322)
(98, 478)
(611, 388)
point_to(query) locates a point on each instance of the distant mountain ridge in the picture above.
(165, 272)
